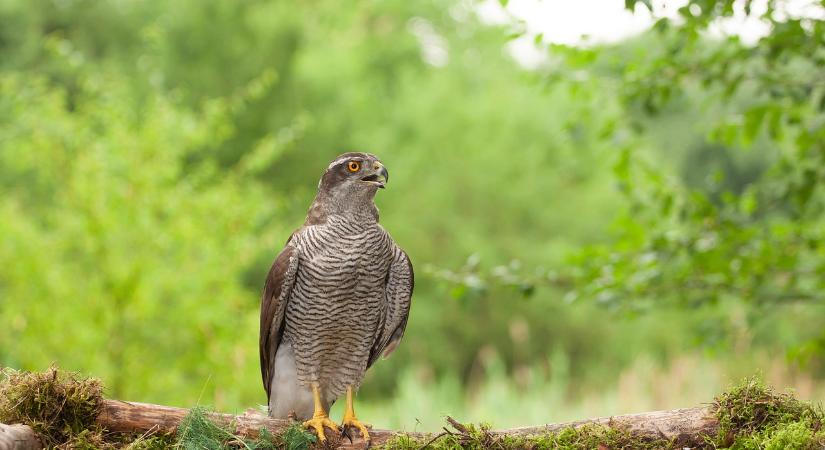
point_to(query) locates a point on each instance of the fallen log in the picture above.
(685, 426)
(133, 417)
(18, 437)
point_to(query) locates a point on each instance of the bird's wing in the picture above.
(278, 286)
(399, 289)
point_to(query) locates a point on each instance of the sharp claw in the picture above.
(345, 432)
(355, 423)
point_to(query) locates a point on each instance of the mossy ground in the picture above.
(62, 407)
(753, 416)
(480, 437)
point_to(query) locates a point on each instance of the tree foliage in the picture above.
(760, 241)
(743, 221)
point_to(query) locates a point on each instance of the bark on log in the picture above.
(18, 437)
(134, 417)
(686, 426)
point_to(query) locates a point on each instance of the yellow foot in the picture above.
(352, 421)
(318, 422)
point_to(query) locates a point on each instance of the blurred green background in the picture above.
(618, 227)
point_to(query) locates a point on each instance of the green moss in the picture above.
(403, 442)
(297, 438)
(61, 406)
(480, 437)
(791, 436)
(754, 416)
(600, 436)
(143, 442)
(85, 440)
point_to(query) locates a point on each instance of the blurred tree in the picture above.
(759, 234)
(116, 255)
(732, 228)
(155, 155)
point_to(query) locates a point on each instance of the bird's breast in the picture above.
(336, 304)
(343, 272)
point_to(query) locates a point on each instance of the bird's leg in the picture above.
(320, 419)
(351, 420)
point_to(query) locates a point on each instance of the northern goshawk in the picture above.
(336, 298)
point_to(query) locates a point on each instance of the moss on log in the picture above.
(683, 427)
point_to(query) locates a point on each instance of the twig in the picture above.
(437, 436)
(457, 425)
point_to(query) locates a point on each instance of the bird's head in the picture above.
(348, 187)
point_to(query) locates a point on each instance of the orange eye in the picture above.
(354, 166)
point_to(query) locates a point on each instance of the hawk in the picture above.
(336, 298)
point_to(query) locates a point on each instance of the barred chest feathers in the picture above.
(336, 306)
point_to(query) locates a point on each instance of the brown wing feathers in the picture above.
(399, 289)
(279, 282)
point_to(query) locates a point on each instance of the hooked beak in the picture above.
(380, 176)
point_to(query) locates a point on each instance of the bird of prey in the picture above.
(336, 298)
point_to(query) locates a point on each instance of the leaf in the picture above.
(631, 4)
(754, 117)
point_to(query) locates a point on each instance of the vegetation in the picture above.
(625, 227)
(62, 407)
(752, 232)
(198, 432)
(752, 416)
(588, 437)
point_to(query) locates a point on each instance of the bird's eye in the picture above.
(354, 166)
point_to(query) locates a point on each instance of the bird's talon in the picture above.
(354, 422)
(318, 423)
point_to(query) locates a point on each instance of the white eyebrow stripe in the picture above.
(337, 161)
(346, 158)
